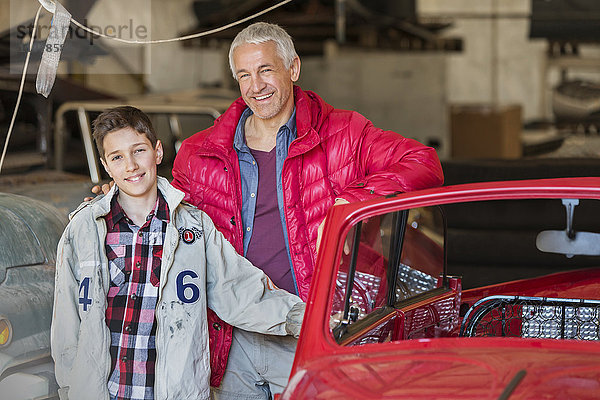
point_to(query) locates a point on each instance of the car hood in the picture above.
(483, 368)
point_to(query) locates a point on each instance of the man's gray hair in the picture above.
(261, 32)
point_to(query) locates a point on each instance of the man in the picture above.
(267, 172)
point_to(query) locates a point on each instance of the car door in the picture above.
(391, 283)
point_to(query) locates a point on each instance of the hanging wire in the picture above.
(187, 37)
(14, 116)
(48, 4)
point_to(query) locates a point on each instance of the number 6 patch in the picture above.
(187, 292)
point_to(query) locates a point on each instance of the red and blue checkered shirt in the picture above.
(134, 259)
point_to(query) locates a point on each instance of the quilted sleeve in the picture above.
(181, 168)
(387, 162)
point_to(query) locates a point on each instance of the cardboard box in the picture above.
(486, 131)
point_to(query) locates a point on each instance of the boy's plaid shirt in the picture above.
(134, 258)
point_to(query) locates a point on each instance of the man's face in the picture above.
(265, 84)
(131, 161)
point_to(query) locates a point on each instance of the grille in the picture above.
(533, 317)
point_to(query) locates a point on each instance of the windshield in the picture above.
(471, 269)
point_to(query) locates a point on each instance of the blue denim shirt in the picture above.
(249, 174)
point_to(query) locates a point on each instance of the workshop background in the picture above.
(502, 89)
(476, 79)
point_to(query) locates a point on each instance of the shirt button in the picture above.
(128, 328)
(253, 162)
(133, 297)
(248, 229)
(140, 233)
(124, 359)
(138, 264)
(216, 326)
(252, 195)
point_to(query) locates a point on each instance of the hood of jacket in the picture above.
(311, 112)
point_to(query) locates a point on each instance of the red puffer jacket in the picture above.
(337, 153)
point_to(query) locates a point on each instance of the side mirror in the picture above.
(569, 242)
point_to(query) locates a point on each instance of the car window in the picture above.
(512, 254)
(366, 281)
(491, 242)
(478, 268)
(422, 259)
(369, 284)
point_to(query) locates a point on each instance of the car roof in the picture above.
(29, 232)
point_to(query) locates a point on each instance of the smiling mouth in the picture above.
(135, 178)
(266, 96)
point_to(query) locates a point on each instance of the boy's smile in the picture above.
(131, 161)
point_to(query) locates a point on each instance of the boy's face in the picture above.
(131, 161)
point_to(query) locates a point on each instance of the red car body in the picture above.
(414, 349)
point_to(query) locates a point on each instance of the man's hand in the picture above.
(338, 201)
(100, 190)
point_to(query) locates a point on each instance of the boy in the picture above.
(136, 271)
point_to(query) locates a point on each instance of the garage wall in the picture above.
(403, 92)
(500, 63)
(166, 66)
(173, 66)
(163, 67)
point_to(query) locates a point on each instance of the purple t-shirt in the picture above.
(266, 249)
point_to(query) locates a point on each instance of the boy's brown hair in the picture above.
(121, 117)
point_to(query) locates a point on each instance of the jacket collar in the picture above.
(311, 112)
(173, 196)
(223, 133)
(239, 140)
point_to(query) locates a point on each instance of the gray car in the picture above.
(29, 233)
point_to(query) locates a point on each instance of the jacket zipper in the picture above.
(157, 387)
(285, 215)
(108, 360)
(239, 229)
(238, 189)
(164, 269)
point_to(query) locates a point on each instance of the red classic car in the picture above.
(475, 291)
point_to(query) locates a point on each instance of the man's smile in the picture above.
(263, 97)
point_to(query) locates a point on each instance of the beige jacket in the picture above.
(205, 272)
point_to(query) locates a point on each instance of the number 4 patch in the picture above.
(85, 299)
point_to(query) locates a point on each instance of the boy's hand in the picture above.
(100, 190)
(294, 319)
